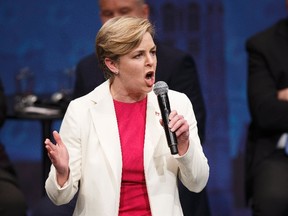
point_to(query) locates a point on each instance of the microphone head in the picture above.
(160, 87)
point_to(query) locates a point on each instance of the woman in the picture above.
(115, 148)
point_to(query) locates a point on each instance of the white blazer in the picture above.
(89, 130)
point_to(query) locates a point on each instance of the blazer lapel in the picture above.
(105, 123)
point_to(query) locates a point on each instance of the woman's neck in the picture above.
(120, 94)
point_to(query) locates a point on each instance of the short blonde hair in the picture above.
(119, 36)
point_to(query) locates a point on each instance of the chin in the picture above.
(149, 89)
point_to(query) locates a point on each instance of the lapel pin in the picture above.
(157, 113)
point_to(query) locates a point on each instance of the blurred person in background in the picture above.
(267, 149)
(12, 201)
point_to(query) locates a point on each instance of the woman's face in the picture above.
(136, 70)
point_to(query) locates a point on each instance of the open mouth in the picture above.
(150, 78)
(149, 75)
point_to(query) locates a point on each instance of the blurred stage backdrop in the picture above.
(44, 40)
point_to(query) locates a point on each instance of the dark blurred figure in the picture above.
(12, 201)
(267, 162)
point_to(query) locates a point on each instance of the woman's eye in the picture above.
(138, 56)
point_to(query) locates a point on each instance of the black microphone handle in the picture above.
(165, 111)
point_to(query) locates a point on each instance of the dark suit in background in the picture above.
(267, 165)
(12, 201)
(178, 70)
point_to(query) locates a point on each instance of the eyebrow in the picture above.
(154, 47)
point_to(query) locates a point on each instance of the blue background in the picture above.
(51, 36)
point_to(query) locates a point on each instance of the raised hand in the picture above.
(59, 157)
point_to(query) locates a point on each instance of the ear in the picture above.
(112, 65)
(146, 11)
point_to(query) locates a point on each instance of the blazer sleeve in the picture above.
(70, 135)
(193, 166)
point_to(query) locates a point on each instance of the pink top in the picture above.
(131, 118)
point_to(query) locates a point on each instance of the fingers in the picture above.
(161, 121)
(177, 123)
(57, 138)
(51, 150)
(49, 145)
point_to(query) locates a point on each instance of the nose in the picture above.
(150, 59)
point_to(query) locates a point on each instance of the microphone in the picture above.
(161, 89)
